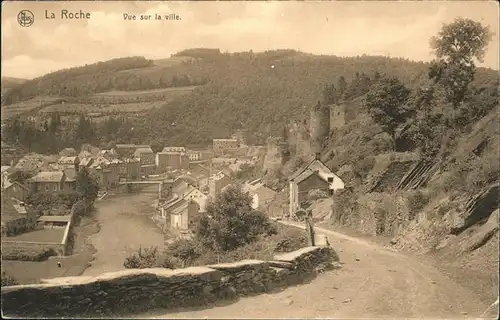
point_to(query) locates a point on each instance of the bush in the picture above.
(230, 222)
(26, 254)
(8, 280)
(143, 258)
(416, 202)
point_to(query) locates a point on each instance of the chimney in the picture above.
(317, 156)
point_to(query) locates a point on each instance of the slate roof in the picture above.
(48, 176)
(9, 212)
(140, 151)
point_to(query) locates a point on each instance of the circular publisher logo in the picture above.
(25, 18)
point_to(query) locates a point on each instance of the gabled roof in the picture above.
(314, 165)
(7, 184)
(86, 161)
(48, 176)
(265, 194)
(140, 151)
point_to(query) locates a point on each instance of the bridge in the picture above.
(160, 184)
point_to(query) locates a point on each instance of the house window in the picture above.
(46, 187)
(330, 179)
(331, 192)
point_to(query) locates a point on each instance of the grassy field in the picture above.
(146, 92)
(46, 235)
(25, 106)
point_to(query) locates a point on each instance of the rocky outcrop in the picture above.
(478, 208)
(131, 291)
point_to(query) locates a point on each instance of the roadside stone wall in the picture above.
(138, 290)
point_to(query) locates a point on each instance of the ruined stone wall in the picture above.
(319, 127)
(127, 292)
(274, 157)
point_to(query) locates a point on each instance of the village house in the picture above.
(69, 162)
(188, 192)
(216, 183)
(50, 181)
(261, 195)
(183, 217)
(313, 176)
(174, 149)
(86, 162)
(129, 169)
(224, 146)
(15, 217)
(194, 155)
(178, 213)
(14, 189)
(108, 154)
(145, 155)
(106, 172)
(172, 160)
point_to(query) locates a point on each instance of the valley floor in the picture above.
(125, 225)
(373, 282)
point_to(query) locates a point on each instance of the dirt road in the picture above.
(125, 226)
(373, 282)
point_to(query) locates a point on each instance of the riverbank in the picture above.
(27, 272)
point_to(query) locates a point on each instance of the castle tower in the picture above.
(319, 127)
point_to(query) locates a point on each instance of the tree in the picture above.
(341, 87)
(329, 94)
(86, 186)
(456, 47)
(386, 103)
(230, 222)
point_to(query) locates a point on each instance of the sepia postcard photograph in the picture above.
(250, 159)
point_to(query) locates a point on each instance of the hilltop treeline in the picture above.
(254, 92)
(101, 77)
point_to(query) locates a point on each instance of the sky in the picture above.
(342, 28)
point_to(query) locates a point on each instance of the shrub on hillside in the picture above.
(230, 222)
(416, 202)
(316, 194)
(7, 280)
(146, 258)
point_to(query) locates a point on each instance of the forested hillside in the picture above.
(253, 92)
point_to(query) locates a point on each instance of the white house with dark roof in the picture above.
(314, 175)
(261, 195)
(49, 181)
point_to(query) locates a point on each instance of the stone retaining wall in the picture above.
(138, 290)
